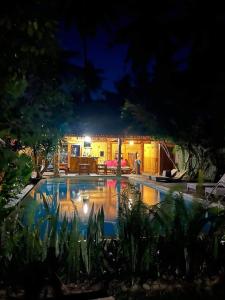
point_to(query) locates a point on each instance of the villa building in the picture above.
(77, 152)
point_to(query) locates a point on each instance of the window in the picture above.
(87, 144)
(75, 150)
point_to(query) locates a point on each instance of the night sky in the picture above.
(155, 55)
(110, 59)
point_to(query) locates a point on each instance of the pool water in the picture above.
(76, 194)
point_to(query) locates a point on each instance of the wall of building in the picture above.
(99, 149)
(106, 148)
(126, 150)
(151, 158)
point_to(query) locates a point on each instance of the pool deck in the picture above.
(178, 187)
(14, 201)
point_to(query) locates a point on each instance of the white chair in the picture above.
(217, 190)
(177, 178)
(195, 185)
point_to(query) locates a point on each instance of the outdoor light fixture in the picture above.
(87, 144)
(87, 139)
(131, 142)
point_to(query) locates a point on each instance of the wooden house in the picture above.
(77, 152)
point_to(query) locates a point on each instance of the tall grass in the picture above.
(48, 250)
(136, 237)
(173, 239)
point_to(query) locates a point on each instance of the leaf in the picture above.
(35, 25)
(30, 31)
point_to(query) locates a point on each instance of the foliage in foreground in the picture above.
(15, 170)
(173, 240)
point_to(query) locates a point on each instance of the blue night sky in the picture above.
(110, 60)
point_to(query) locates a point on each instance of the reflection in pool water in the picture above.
(75, 194)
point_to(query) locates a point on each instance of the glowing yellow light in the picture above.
(131, 142)
(85, 208)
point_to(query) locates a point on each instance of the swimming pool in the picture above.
(80, 194)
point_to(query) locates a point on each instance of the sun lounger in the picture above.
(165, 173)
(218, 189)
(195, 185)
(169, 173)
(177, 178)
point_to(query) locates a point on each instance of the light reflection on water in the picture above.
(80, 194)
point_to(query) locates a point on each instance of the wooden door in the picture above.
(151, 158)
(131, 159)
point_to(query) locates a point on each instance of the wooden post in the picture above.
(142, 156)
(68, 190)
(109, 150)
(159, 159)
(118, 170)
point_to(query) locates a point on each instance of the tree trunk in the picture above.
(36, 166)
(55, 165)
